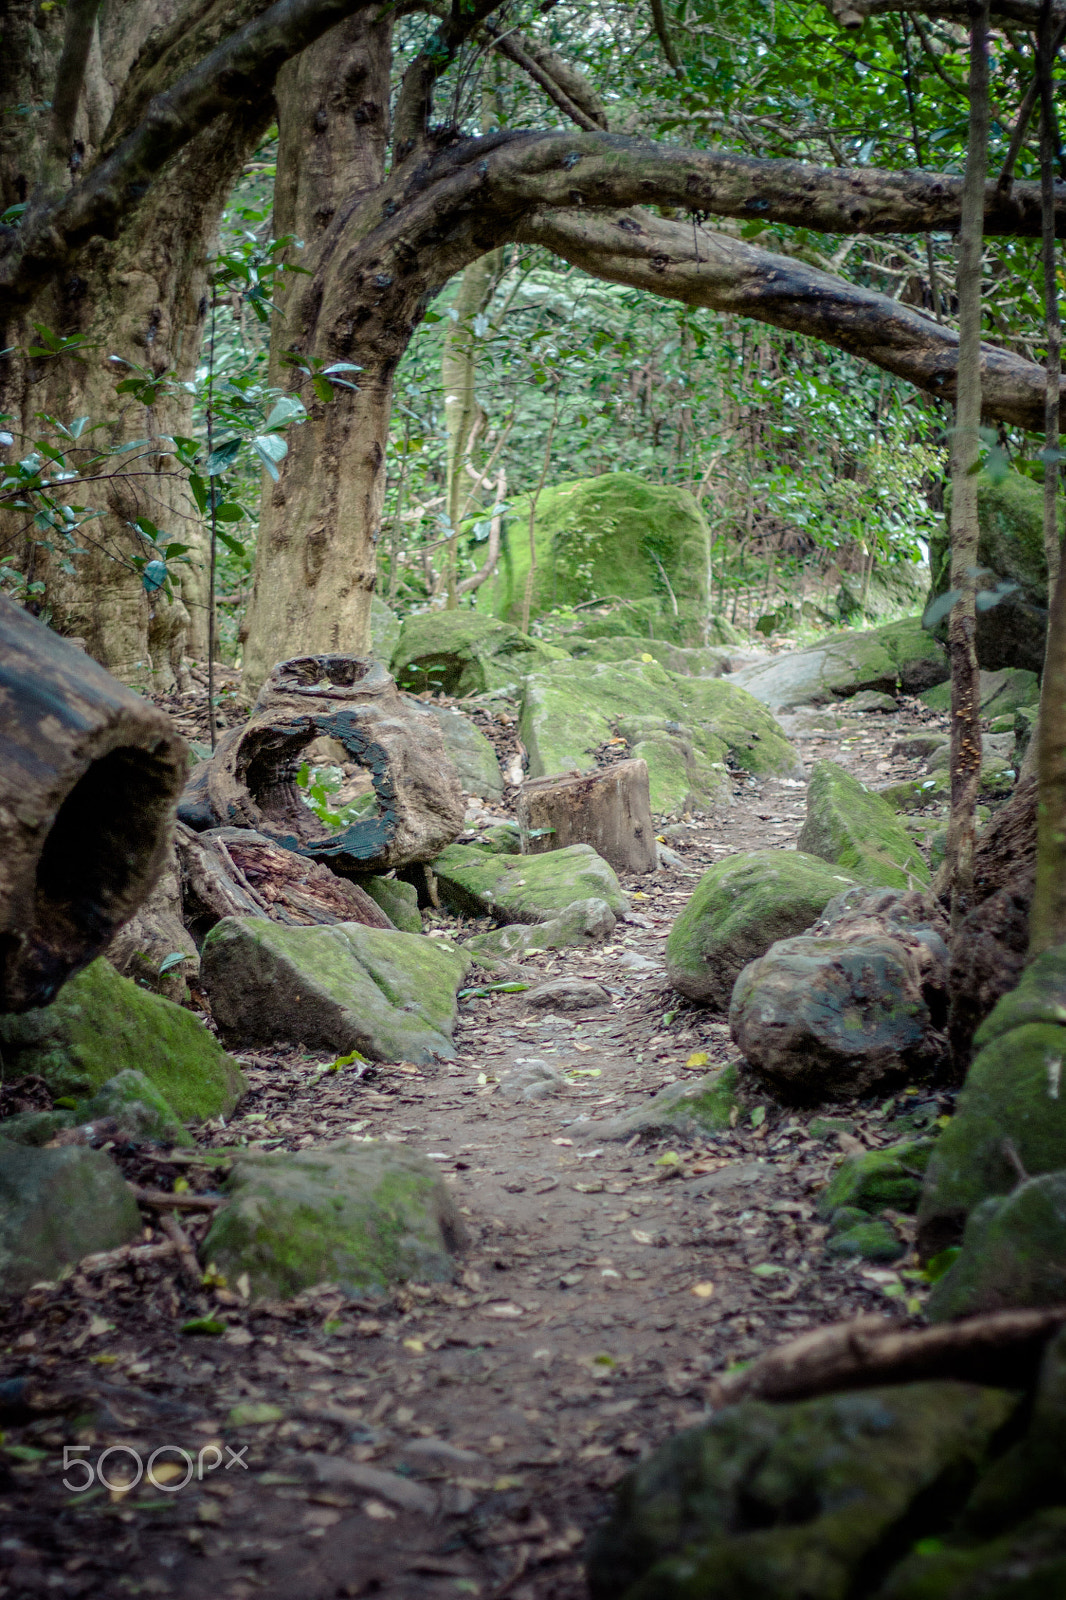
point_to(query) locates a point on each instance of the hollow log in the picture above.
(89, 777)
(250, 781)
(609, 809)
(234, 872)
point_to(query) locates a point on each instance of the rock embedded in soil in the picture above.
(794, 1500)
(57, 1206)
(134, 1103)
(567, 994)
(462, 652)
(856, 829)
(585, 922)
(872, 1239)
(525, 888)
(398, 900)
(899, 655)
(391, 996)
(891, 1176)
(739, 908)
(472, 755)
(689, 731)
(691, 1108)
(101, 1024)
(1013, 1254)
(361, 1217)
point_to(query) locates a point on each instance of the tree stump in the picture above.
(250, 782)
(89, 776)
(609, 809)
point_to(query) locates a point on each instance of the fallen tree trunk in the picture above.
(89, 777)
(1003, 1348)
(234, 872)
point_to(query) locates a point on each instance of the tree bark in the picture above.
(609, 809)
(89, 778)
(459, 376)
(965, 452)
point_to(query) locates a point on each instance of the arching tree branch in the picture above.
(415, 102)
(564, 87)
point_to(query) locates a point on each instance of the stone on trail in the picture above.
(891, 1176)
(690, 1108)
(798, 1501)
(585, 922)
(1013, 1254)
(398, 900)
(899, 655)
(132, 1101)
(872, 1239)
(472, 754)
(57, 1206)
(531, 1079)
(391, 996)
(690, 731)
(567, 994)
(739, 908)
(362, 1217)
(525, 888)
(856, 829)
(462, 652)
(870, 700)
(101, 1024)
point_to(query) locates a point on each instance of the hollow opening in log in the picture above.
(91, 875)
(316, 778)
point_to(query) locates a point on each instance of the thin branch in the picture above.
(70, 73)
(414, 105)
(852, 14)
(516, 50)
(658, 16)
(1025, 111)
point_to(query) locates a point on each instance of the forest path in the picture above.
(600, 1292)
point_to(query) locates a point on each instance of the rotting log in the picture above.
(89, 777)
(234, 872)
(609, 809)
(250, 782)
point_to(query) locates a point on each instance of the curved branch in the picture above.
(564, 87)
(710, 269)
(70, 73)
(658, 16)
(851, 14)
(415, 102)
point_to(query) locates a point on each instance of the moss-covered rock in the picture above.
(57, 1206)
(794, 1502)
(872, 1239)
(525, 888)
(472, 754)
(584, 922)
(346, 987)
(739, 908)
(689, 1108)
(100, 1024)
(134, 1102)
(701, 662)
(900, 655)
(384, 630)
(1001, 692)
(614, 535)
(361, 1217)
(1013, 1254)
(36, 1127)
(1026, 1563)
(689, 730)
(1010, 550)
(880, 1178)
(463, 652)
(999, 772)
(856, 829)
(398, 900)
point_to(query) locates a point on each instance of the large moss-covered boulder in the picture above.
(581, 923)
(858, 830)
(615, 535)
(472, 754)
(525, 888)
(101, 1024)
(463, 652)
(795, 1502)
(57, 1206)
(1010, 551)
(1000, 692)
(899, 655)
(362, 1217)
(739, 908)
(694, 662)
(1013, 1253)
(391, 996)
(1012, 1107)
(691, 1108)
(690, 731)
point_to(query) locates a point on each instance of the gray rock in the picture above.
(131, 1100)
(567, 994)
(57, 1206)
(531, 1079)
(392, 996)
(337, 1472)
(996, 748)
(871, 700)
(384, 630)
(884, 659)
(1013, 1254)
(472, 754)
(690, 1107)
(361, 1216)
(918, 746)
(585, 922)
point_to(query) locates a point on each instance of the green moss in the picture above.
(462, 652)
(1026, 1563)
(739, 908)
(880, 1178)
(614, 536)
(35, 1127)
(691, 1109)
(398, 900)
(362, 1218)
(899, 655)
(1013, 1254)
(137, 1106)
(690, 730)
(868, 1240)
(858, 830)
(1002, 693)
(705, 662)
(100, 1024)
(525, 888)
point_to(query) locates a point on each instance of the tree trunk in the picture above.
(461, 410)
(89, 776)
(609, 809)
(962, 649)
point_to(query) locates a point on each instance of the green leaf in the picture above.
(234, 546)
(154, 575)
(172, 960)
(287, 409)
(208, 1325)
(270, 448)
(758, 1116)
(222, 457)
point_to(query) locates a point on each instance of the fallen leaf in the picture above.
(640, 1236)
(698, 1058)
(703, 1291)
(379, 1512)
(503, 1308)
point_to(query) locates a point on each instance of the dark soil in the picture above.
(604, 1286)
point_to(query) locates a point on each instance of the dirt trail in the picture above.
(601, 1291)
